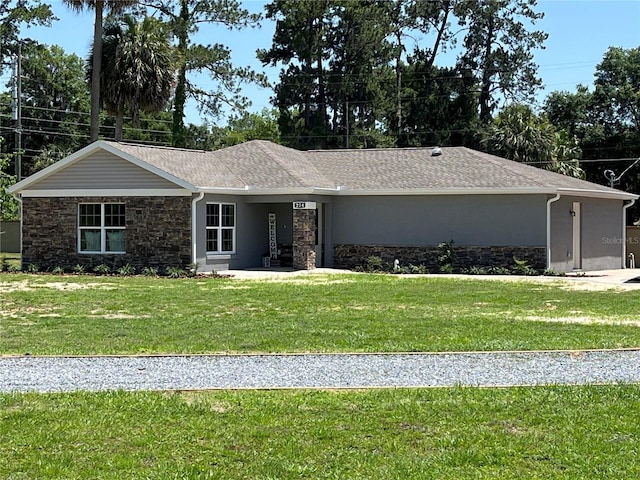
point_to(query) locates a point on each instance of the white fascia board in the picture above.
(249, 190)
(609, 194)
(344, 191)
(85, 152)
(111, 192)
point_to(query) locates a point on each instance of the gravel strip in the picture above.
(58, 374)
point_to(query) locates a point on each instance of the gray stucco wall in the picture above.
(480, 220)
(601, 234)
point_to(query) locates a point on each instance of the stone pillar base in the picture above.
(304, 239)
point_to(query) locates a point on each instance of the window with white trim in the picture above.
(101, 228)
(221, 228)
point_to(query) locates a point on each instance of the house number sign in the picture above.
(304, 205)
(273, 244)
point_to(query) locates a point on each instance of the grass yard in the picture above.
(45, 314)
(553, 432)
(542, 432)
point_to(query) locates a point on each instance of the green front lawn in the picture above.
(45, 314)
(518, 433)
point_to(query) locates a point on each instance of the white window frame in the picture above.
(219, 228)
(103, 230)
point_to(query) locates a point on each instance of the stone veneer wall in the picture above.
(158, 232)
(350, 256)
(304, 239)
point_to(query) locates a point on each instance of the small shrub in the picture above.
(522, 267)
(102, 269)
(418, 269)
(499, 271)
(553, 273)
(33, 268)
(4, 265)
(126, 270)
(374, 264)
(446, 268)
(176, 272)
(193, 268)
(477, 270)
(150, 271)
(57, 270)
(78, 269)
(445, 256)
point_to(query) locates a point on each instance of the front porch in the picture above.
(286, 233)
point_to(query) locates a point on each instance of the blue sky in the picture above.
(580, 32)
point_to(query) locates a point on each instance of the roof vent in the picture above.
(436, 151)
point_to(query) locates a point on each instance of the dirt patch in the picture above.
(582, 320)
(120, 315)
(27, 286)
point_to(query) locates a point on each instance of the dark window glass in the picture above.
(227, 240)
(212, 240)
(114, 215)
(90, 214)
(228, 217)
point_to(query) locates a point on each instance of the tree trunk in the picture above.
(95, 75)
(178, 128)
(487, 72)
(119, 126)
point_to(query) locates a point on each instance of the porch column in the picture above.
(304, 235)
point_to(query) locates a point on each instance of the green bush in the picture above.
(445, 256)
(126, 270)
(150, 271)
(522, 267)
(102, 269)
(175, 272)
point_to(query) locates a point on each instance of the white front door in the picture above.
(577, 254)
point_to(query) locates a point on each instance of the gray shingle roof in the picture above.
(265, 165)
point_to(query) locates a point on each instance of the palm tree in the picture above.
(137, 68)
(99, 6)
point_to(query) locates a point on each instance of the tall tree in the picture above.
(498, 48)
(185, 18)
(55, 102)
(359, 71)
(430, 19)
(518, 133)
(301, 42)
(335, 57)
(137, 68)
(439, 106)
(99, 7)
(9, 208)
(605, 120)
(17, 13)
(249, 126)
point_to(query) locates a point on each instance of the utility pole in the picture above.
(16, 111)
(615, 179)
